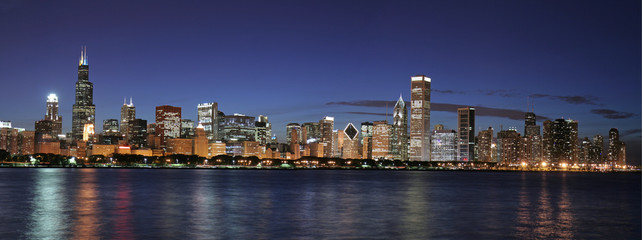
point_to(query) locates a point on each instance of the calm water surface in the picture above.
(316, 204)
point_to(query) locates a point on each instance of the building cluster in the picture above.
(408, 137)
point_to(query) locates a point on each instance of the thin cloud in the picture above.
(630, 132)
(612, 114)
(368, 113)
(441, 107)
(512, 93)
(588, 99)
(447, 91)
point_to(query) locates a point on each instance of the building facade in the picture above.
(419, 118)
(168, 123)
(466, 134)
(207, 117)
(400, 131)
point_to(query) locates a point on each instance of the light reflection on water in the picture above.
(220, 204)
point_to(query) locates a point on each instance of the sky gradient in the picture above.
(298, 61)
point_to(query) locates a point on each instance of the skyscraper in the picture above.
(381, 132)
(400, 131)
(168, 123)
(127, 115)
(138, 136)
(466, 134)
(84, 110)
(326, 125)
(366, 140)
(485, 145)
(420, 118)
(207, 117)
(616, 149)
(52, 115)
(560, 141)
(444, 147)
(263, 130)
(351, 143)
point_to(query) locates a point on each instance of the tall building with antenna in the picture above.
(84, 110)
(127, 116)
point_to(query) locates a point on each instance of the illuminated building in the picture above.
(216, 148)
(443, 143)
(616, 150)
(466, 134)
(292, 128)
(238, 127)
(263, 130)
(168, 123)
(251, 148)
(44, 130)
(207, 117)
(485, 143)
(88, 133)
(18, 141)
(200, 142)
(84, 110)
(5, 124)
(585, 148)
(103, 149)
(139, 133)
(560, 141)
(595, 153)
(531, 150)
(312, 130)
(399, 147)
(110, 127)
(530, 125)
(52, 115)
(351, 142)
(366, 140)
(419, 118)
(509, 147)
(127, 115)
(179, 146)
(326, 125)
(187, 128)
(381, 132)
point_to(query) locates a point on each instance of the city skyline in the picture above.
(564, 78)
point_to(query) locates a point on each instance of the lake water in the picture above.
(61, 203)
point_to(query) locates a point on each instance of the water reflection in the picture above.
(415, 217)
(49, 218)
(87, 225)
(565, 217)
(524, 217)
(123, 224)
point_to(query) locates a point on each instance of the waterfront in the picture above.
(76, 203)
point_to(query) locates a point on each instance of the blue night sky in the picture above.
(298, 61)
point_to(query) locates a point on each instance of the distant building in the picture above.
(200, 142)
(127, 115)
(52, 115)
(139, 134)
(326, 125)
(381, 136)
(351, 142)
(443, 143)
(366, 140)
(292, 128)
(187, 128)
(168, 123)
(312, 130)
(263, 130)
(560, 141)
(110, 127)
(597, 148)
(509, 147)
(466, 134)
(84, 110)
(238, 127)
(531, 150)
(399, 147)
(617, 149)
(179, 146)
(419, 118)
(485, 145)
(207, 117)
